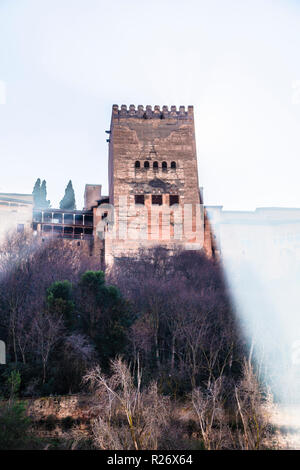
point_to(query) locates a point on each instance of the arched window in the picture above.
(146, 165)
(164, 165)
(137, 164)
(155, 165)
(173, 165)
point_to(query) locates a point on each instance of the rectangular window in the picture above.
(174, 199)
(20, 228)
(139, 199)
(157, 199)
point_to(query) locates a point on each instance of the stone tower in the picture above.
(153, 181)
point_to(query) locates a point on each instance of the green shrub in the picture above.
(14, 426)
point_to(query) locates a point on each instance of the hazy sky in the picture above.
(64, 63)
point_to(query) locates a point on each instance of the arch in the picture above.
(164, 165)
(146, 164)
(155, 165)
(137, 164)
(173, 165)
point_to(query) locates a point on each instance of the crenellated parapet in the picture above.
(151, 113)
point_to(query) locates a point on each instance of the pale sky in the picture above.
(63, 63)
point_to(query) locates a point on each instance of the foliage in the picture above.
(185, 331)
(59, 300)
(167, 315)
(103, 315)
(14, 423)
(14, 382)
(54, 329)
(68, 201)
(14, 426)
(40, 194)
(131, 418)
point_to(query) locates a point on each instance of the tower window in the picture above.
(164, 165)
(157, 199)
(146, 165)
(155, 165)
(137, 164)
(173, 165)
(174, 199)
(139, 199)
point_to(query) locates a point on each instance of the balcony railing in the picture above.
(63, 218)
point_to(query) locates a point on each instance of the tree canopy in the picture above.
(40, 194)
(68, 201)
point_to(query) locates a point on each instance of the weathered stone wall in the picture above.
(75, 406)
(92, 194)
(160, 137)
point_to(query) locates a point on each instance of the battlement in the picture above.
(149, 113)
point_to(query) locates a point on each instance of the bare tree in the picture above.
(209, 407)
(47, 331)
(131, 418)
(253, 411)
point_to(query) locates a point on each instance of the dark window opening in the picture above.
(68, 219)
(57, 229)
(20, 228)
(139, 199)
(164, 165)
(157, 199)
(173, 165)
(174, 199)
(78, 220)
(47, 216)
(78, 232)
(146, 165)
(88, 220)
(155, 165)
(47, 228)
(137, 164)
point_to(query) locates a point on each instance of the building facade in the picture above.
(266, 240)
(15, 213)
(154, 196)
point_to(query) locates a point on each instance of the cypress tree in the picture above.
(37, 192)
(40, 194)
(68, 201)
(43, 196)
